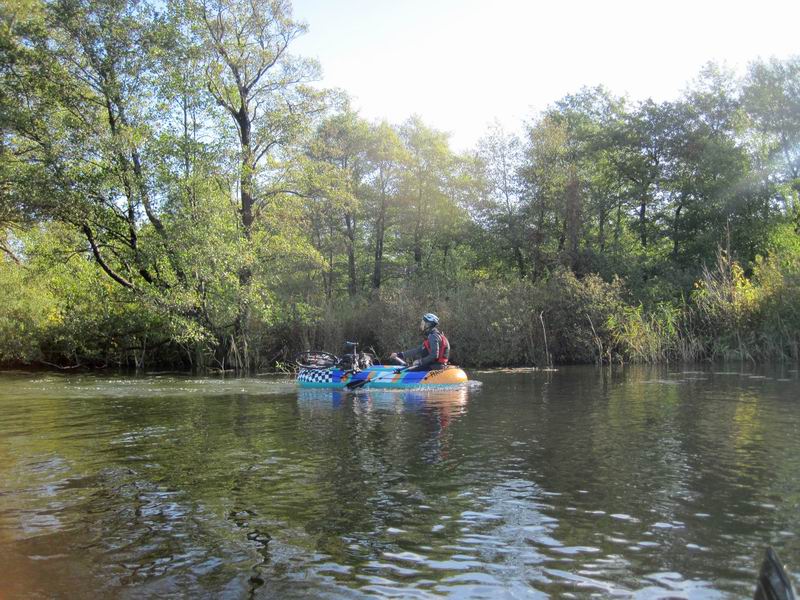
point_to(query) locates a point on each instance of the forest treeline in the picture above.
(175, 191)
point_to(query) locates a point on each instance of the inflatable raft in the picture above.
(379, 376)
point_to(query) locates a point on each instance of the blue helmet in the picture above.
(431, 319)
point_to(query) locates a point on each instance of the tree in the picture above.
(252, 76)
(500, 154)
(771, 99)
(545, 174)
(771, 96)
(424, 185)
(643, 139)
(84, 102)
(340, 144)
(385, 158)
(714, 198)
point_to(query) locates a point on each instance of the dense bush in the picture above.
(69, 314)
(59, 309)
(27, 311)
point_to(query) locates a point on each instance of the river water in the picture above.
(583, 482)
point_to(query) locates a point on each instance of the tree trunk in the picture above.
(573, 219)
(539, 239)
(329, 279)
(380, 232)
(352, 284)
(246, 175)
(418, 227)
(643, 221)
(601, 226)
(520, 260)
(675, 227)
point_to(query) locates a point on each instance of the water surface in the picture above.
(644, 483)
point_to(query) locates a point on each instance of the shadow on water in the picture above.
(625, 482)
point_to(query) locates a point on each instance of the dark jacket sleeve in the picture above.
(412, 353)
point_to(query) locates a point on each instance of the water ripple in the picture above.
(622, 483)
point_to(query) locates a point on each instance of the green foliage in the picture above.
(655, 336)
(730, 316)
(172, 190)
(59, 296)
(28, 310)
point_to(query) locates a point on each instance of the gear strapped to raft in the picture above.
(352, 361)
(358, 370)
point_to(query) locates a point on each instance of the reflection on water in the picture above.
(638, 482)
(435, 410)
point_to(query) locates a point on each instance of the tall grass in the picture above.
(560, 319)
(756, 318)
(730, 315)
(563, 319)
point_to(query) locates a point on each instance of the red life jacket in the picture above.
(444, 348)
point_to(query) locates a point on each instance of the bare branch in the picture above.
(99, 258)
(8, 251)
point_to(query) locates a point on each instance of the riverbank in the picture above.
(560, 319)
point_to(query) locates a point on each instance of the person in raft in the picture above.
(434, 352)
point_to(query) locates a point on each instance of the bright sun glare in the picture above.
(461, 65)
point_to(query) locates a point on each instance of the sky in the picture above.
(462, 65)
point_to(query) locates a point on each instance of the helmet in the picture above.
(431, 319)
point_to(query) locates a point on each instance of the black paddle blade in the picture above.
(358, 383)
(773, 582)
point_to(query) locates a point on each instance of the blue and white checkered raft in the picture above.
(379, 377)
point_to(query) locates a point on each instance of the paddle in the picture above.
(359, 383)
(773, 582)
(354, 385)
